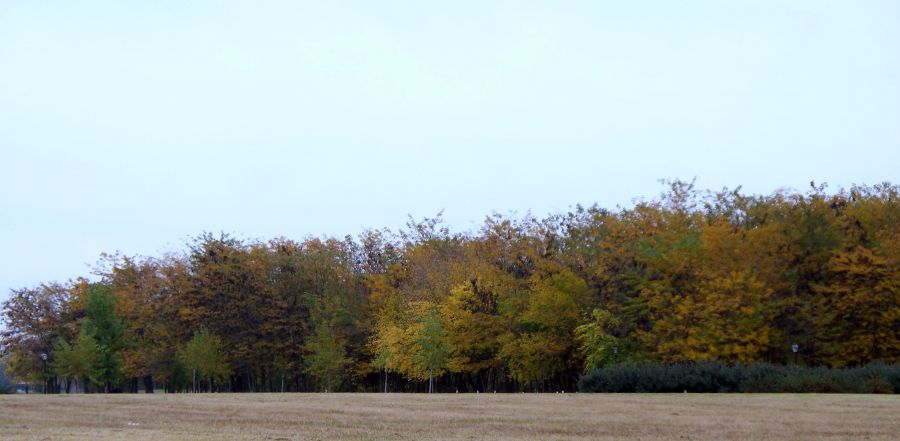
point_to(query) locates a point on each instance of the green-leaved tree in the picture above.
(327, 358)
(433, 352)
(104, 325)
(598, 346)
(203, 357)
(79, 361)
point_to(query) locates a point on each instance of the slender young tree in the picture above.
(327, 358)
(432, 352)
(78, 362)
(597, 344)
(203, 357)
(102, 323)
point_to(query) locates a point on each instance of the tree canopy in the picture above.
(518, 304)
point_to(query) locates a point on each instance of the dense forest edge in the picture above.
(716, 282)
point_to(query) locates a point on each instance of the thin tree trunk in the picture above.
(385, 380)
(430, 380)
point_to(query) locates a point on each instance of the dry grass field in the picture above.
(449, 417)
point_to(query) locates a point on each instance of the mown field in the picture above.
(450, 417)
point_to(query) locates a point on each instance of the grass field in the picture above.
(450, 417)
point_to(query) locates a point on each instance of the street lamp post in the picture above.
(46, 380)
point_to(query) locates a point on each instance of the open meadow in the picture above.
(450, 417)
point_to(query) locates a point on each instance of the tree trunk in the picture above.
(430, 380)
(385, 380)
(194, 385)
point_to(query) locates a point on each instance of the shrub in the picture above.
(721, 377)
(6, 385)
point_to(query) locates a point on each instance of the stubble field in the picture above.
(450, 417)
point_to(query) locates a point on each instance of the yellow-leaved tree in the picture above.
(862, 308)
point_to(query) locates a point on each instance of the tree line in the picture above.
(520, 304)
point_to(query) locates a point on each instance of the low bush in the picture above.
(721, 377)
(6, 385)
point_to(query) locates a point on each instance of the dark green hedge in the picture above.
(6, 385)
(720, 377)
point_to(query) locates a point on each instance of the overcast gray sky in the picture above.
(132, 125)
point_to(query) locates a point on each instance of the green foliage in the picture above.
(81, 361)
(598, 345)
(327, 358)
(178, 377)
(204, 359)
(432, 350)
(518, 304)
(720, 377)
(543, 343)
(6, 385)
(103, 325)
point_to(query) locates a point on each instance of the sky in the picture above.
(131, 126)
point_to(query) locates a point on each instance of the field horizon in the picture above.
(373, 416)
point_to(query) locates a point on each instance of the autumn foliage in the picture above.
(519, 304)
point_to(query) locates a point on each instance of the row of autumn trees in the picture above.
(520, 304)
